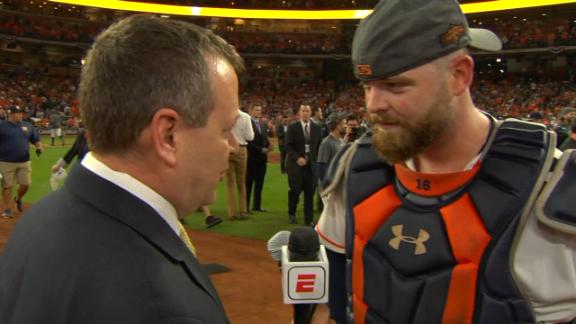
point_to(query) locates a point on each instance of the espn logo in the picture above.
(306, 283)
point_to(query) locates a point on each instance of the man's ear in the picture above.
(462, 70)
(163, 128)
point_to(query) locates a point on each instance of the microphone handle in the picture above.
(303, 313)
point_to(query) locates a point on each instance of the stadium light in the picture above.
(468, 8)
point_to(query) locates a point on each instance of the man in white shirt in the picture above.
(236, 174)
(109, 243)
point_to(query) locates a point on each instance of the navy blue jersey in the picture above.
(15, 139)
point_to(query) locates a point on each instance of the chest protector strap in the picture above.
(399, 276)
(556, 206)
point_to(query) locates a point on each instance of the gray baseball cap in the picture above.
(400, 35)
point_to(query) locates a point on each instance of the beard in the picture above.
(411, 137)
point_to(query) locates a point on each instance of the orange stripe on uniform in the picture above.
(325, 238)
(360, 310)
(369, 216)
(469, 238)
(461, 295)
(434, 184)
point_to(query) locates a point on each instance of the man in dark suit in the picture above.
(281, 134)
(258, 149)
(302, 141)
(108, 247)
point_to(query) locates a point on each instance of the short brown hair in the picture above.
(144, 63)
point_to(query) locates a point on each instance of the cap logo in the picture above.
(453, 35)
(364, 70)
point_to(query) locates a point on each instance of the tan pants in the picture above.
(15, 173)
(237, 172)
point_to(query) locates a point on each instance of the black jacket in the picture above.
(92, 252)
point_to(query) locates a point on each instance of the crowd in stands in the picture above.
(47, 29)
(534, 33)
(39, 93)
(290, 44)
(519, 98)
(516, 33)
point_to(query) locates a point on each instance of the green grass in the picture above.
(259, 226)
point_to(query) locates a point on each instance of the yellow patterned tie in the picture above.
(186, 239)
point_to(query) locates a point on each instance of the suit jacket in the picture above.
(295, 143)
(259, 142)
(93, 253)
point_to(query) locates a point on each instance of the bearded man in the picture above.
(441, 214)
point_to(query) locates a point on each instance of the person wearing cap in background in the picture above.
(536, 117)
(15, 166)
(442, 213)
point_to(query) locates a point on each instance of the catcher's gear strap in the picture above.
(556, 205)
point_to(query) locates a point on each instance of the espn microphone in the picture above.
(304, 272)
(275, 244)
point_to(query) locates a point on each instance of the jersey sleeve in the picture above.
(332, 223)
(331, 227)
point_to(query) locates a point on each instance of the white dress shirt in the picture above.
(242, 129)
(135, 187)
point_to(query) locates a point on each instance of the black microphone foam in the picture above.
(304, 244)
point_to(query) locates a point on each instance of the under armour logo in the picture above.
(423, 236)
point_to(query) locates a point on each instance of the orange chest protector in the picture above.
(429, 248)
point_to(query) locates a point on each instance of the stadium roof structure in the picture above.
(470, 7)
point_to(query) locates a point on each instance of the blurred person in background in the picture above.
(281, 134)
(78, 149)
(562, 128)
(258, 149)
(331, 144)
(237, 166)
(570, 142)
(15, 166)
(56, 126)
(318, 119)
(302, 141)
(353, 129)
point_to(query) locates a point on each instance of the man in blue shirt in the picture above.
(15, 136)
